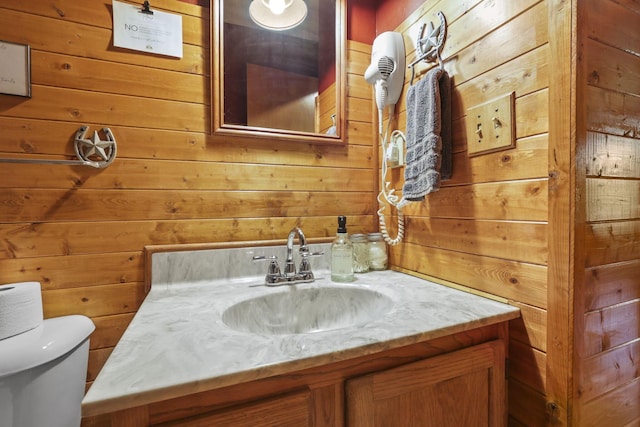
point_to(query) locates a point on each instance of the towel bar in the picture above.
(93, 152)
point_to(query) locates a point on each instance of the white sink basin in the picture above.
(299, 311)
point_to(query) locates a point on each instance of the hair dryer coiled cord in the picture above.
(383, 225)
(388, 194)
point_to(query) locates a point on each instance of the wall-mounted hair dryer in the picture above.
(386, 72)
(387, 69)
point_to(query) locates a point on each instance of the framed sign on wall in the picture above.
(15, 69)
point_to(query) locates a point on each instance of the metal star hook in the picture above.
(99, 153)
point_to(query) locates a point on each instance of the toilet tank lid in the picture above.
(54, 338)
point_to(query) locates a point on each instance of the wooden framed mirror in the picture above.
(288, 84)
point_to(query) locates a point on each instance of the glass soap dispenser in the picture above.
(342, 254)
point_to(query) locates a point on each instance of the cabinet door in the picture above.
(462, 388)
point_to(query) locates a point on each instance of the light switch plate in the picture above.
(491, 126)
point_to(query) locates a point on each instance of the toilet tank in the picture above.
(43, 373)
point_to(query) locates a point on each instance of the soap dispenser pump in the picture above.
(342, 254)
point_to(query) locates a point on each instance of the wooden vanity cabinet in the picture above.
(457, 380)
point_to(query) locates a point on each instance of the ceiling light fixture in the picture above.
(278, 15)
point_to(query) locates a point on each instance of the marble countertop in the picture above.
(177, 343)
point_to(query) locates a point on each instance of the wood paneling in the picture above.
(109, 329)
(611, 327)
(562, 190)
(617, 199)
(70, 271)
(608, 298)
(131, 205)
(611, 242)
(531, 328)
(602, 378)
(514, 240)
(528, 366)
(617, 408)
(94, 301)
(611, 284)
(526, 161)
(527, 407)
(488, 200)
(97, 359)
(123, 110)
(59, 70)
(611, 156)
(508, 279)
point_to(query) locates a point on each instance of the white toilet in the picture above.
(43, 373)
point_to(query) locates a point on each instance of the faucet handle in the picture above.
(273, 272)
(264, 258)
(308, 254)
(305, 265)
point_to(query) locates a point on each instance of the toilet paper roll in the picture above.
(20, 308)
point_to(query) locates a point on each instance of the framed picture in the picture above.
(15, 69)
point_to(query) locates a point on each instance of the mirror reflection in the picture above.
(279, 79)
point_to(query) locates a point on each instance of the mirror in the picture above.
(282, 84)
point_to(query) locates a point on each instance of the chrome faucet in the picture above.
(290, 276)
(289, 266)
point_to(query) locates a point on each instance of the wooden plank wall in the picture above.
(487, 227)
(81, 231)
(608, 298)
